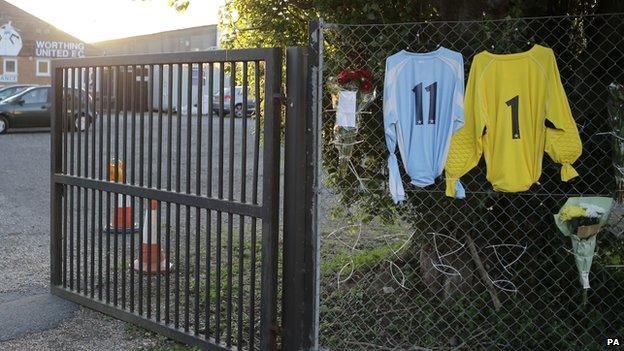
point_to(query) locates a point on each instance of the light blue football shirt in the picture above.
(423, 107)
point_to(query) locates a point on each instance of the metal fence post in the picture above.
(56, 189)
(313, 145)
(299, 302)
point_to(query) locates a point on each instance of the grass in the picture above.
(162, 343)
(172, 347)
(362, 260)
(209, 290)
(369, 308)
(134, 331)
(360, 314)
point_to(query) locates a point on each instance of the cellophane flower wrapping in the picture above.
(583, 211)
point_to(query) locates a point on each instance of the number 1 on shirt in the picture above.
(515, 127)
(432, 89)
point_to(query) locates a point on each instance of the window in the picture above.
(10, 66)
(43, 68)
(10, 91)
(36, 96)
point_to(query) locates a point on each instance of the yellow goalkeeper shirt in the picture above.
(507, 102)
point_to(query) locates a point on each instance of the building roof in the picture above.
(179, 40)
(200, 30)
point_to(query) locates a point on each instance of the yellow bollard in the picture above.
(121, 221)
(116, 171)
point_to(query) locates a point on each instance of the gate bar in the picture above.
(56, 189)
(163, 195)
(239, 55)
(270, 200)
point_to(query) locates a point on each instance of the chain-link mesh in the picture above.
(488, 272)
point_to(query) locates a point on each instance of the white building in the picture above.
(182, 40)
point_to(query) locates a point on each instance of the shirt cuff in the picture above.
(568, 172)
(394, 182)
(454, 188)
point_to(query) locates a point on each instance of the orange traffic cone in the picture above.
(121, 219)
(148, 261)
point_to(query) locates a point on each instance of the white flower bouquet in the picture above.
(581, 218)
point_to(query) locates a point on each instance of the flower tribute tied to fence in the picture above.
(582, 218)
(352, 92)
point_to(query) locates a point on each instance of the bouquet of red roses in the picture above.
(352, 92)
(356, 80)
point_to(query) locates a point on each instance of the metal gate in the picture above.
(169, 219)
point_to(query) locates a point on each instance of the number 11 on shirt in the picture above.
(432, 89)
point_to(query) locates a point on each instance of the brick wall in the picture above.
(27, 71)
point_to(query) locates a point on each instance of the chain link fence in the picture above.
(488, 272)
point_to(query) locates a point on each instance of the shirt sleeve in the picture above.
(563, 143)
(390, 127)
(458, 97)
(466, 144)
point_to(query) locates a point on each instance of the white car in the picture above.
(238, 103)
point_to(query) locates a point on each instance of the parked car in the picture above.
(216, 103)
(11, 90)
(32, 108)
(238, 102)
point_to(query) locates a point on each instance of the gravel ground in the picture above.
(24, 248)
(24, 238)
(86, 330)
(24, 210)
